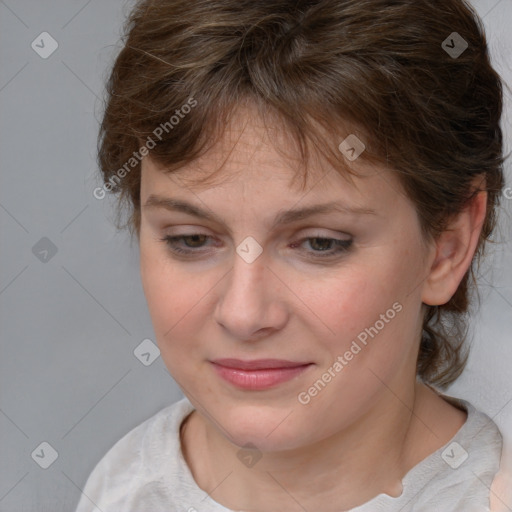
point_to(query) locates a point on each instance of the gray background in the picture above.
(70, 321)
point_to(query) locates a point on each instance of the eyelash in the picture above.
(343, 246)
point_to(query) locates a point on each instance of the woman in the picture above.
(312, 327)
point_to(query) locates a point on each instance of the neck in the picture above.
(345, 470)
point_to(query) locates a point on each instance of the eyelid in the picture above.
(194, 229)
(340, 247)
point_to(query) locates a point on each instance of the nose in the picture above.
(251, 302)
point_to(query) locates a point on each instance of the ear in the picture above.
(453, 251)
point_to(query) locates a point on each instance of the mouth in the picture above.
(258, 374)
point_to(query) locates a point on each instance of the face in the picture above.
(336, 295)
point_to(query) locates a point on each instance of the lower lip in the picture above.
(259, 379)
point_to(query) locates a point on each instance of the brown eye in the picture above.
(323, 247)
(192, 241)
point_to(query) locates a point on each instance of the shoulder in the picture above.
(136, 460)
(145, 444)
(465, 467)
(481, 439)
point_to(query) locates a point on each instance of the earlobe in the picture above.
(454, 250)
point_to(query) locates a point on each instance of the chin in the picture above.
(261, 427)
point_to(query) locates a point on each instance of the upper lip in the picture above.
(257, 364)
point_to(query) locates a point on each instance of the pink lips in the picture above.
(259, 373)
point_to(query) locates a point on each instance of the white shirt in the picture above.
(145, 472)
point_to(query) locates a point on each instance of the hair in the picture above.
(381, 68)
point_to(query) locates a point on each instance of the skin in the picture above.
(373, 422)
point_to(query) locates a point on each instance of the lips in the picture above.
(257, 364)
(258, 374)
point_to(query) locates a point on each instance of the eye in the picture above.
(322, 247)
(196, 238)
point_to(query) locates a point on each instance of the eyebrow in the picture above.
(284, 217)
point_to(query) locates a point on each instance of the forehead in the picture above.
(250, 145)
(256, 157)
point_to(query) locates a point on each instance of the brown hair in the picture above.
(382, 67)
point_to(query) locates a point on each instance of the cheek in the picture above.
(352, 300)
(167, 289)
(364, 351)
(368, 312)
(178, 304)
